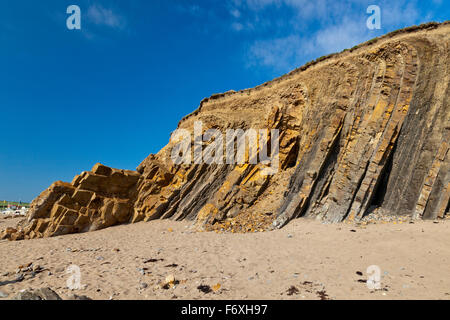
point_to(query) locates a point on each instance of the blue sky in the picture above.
(113, 91)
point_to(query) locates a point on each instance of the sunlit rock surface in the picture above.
(367, 128)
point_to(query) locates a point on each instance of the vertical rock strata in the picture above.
(367, 128)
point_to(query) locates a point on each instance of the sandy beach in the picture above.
(304, 260)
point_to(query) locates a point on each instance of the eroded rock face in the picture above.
(94, 200)
(362, 129)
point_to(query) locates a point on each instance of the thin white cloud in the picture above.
(195, 9)
(280, 54)
(104, 16)
(235, 13)
(283, 34)
(399, 14)
(340, 25)
(303, 8)
(336, 38)
(237, 26)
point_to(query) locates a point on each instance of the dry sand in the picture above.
(320, 260)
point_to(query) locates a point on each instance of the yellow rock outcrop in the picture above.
(367, 128)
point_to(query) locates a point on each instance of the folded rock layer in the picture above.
(367, 128)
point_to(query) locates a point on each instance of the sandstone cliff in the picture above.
(367, 128)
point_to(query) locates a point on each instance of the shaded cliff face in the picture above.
(367, 128)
